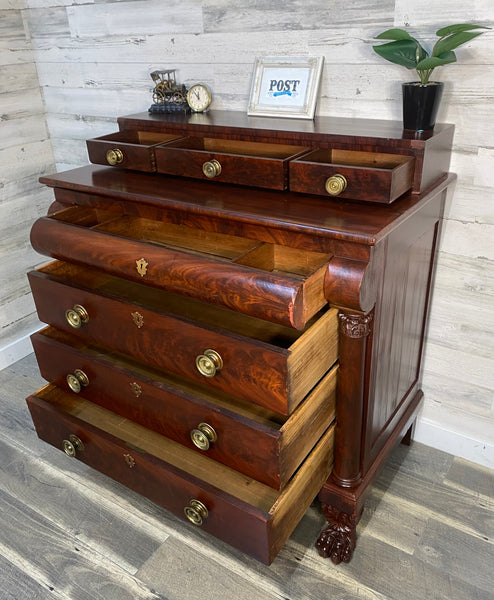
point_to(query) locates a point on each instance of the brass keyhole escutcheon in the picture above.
(72, 446)
(336, 184)
(131, 463)
(142, 266)
(77, 317)
(114, 157)
(209, 363)
(77, 380)
(138, 319)
(196, 512)
(211, 168)
(203, 436)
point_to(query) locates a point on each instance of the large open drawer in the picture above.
(237, 433)
(265, 363)
(269, 281)
(242, 512)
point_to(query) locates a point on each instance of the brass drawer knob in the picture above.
(209, 363)
(336, 184)
(72, 446)
(77, 380)
(211, 168)
(114, 157)
(203, 436)
(196, 512)
(77, 317)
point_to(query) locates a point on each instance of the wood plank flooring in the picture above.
(70, 533)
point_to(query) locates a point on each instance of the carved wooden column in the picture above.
(356, 301)
(354, 330)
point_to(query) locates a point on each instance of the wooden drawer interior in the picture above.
(138, 138)
(270, 364)
(238, 147)
(207, 315)
(251, 253)
(366, 176)
(251, 439)
(131, 149)
(353, 158)
(242, 511)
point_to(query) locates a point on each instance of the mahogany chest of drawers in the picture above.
(236, 314)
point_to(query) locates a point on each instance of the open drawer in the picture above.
(269, 281)
(246, 163)
(265, 363)
(252, 440)
(365, 176)
(242, 512)
(131, 149)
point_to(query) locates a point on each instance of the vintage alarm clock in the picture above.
(199, 97)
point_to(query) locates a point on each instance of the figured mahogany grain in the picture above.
(251, 440)
(244, 513)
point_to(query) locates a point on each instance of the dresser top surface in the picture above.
(375, 131)
(297, 213)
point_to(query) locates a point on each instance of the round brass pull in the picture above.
(196, 512)
(73, 445)
(77, 380)
(211, 168)
(114, 157)
(336, 184)
(76, 317)
(209, 363)
(203, 436)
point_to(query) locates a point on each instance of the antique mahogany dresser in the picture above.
(236, 314)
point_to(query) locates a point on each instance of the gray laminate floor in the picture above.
(67, 532)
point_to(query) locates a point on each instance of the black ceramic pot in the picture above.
(420, 104)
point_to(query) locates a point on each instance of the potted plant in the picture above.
(421, 98)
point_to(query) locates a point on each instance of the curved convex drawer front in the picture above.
(272, 282)
(264, 363)
(250, 439)
(242, 512)
(365, 176)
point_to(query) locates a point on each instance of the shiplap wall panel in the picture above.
(25, 154)
(94, 60)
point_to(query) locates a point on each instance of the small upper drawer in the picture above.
(244, 513)
(365, 176)
(246, 163)
(269, 281)
(252, 440)
(127, 149)
(265, 363)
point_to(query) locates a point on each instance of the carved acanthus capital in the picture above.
(355, 325)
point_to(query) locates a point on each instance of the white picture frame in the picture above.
(284, 86)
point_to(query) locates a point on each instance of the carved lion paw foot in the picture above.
(339, 539)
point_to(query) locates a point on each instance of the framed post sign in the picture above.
(285, 86)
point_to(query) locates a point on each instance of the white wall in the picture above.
(25, 154)
(94, 61)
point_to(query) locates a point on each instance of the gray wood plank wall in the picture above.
(93, 61)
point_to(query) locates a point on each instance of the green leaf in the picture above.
(436, 61)
(459, 27)
(406, 53)
(394, 34)
(453, 41)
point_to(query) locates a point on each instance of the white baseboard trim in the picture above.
(16, 350)
(432, 434)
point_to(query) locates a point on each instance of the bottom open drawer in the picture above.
(241, 511)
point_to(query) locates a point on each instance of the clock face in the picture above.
(199, 97)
